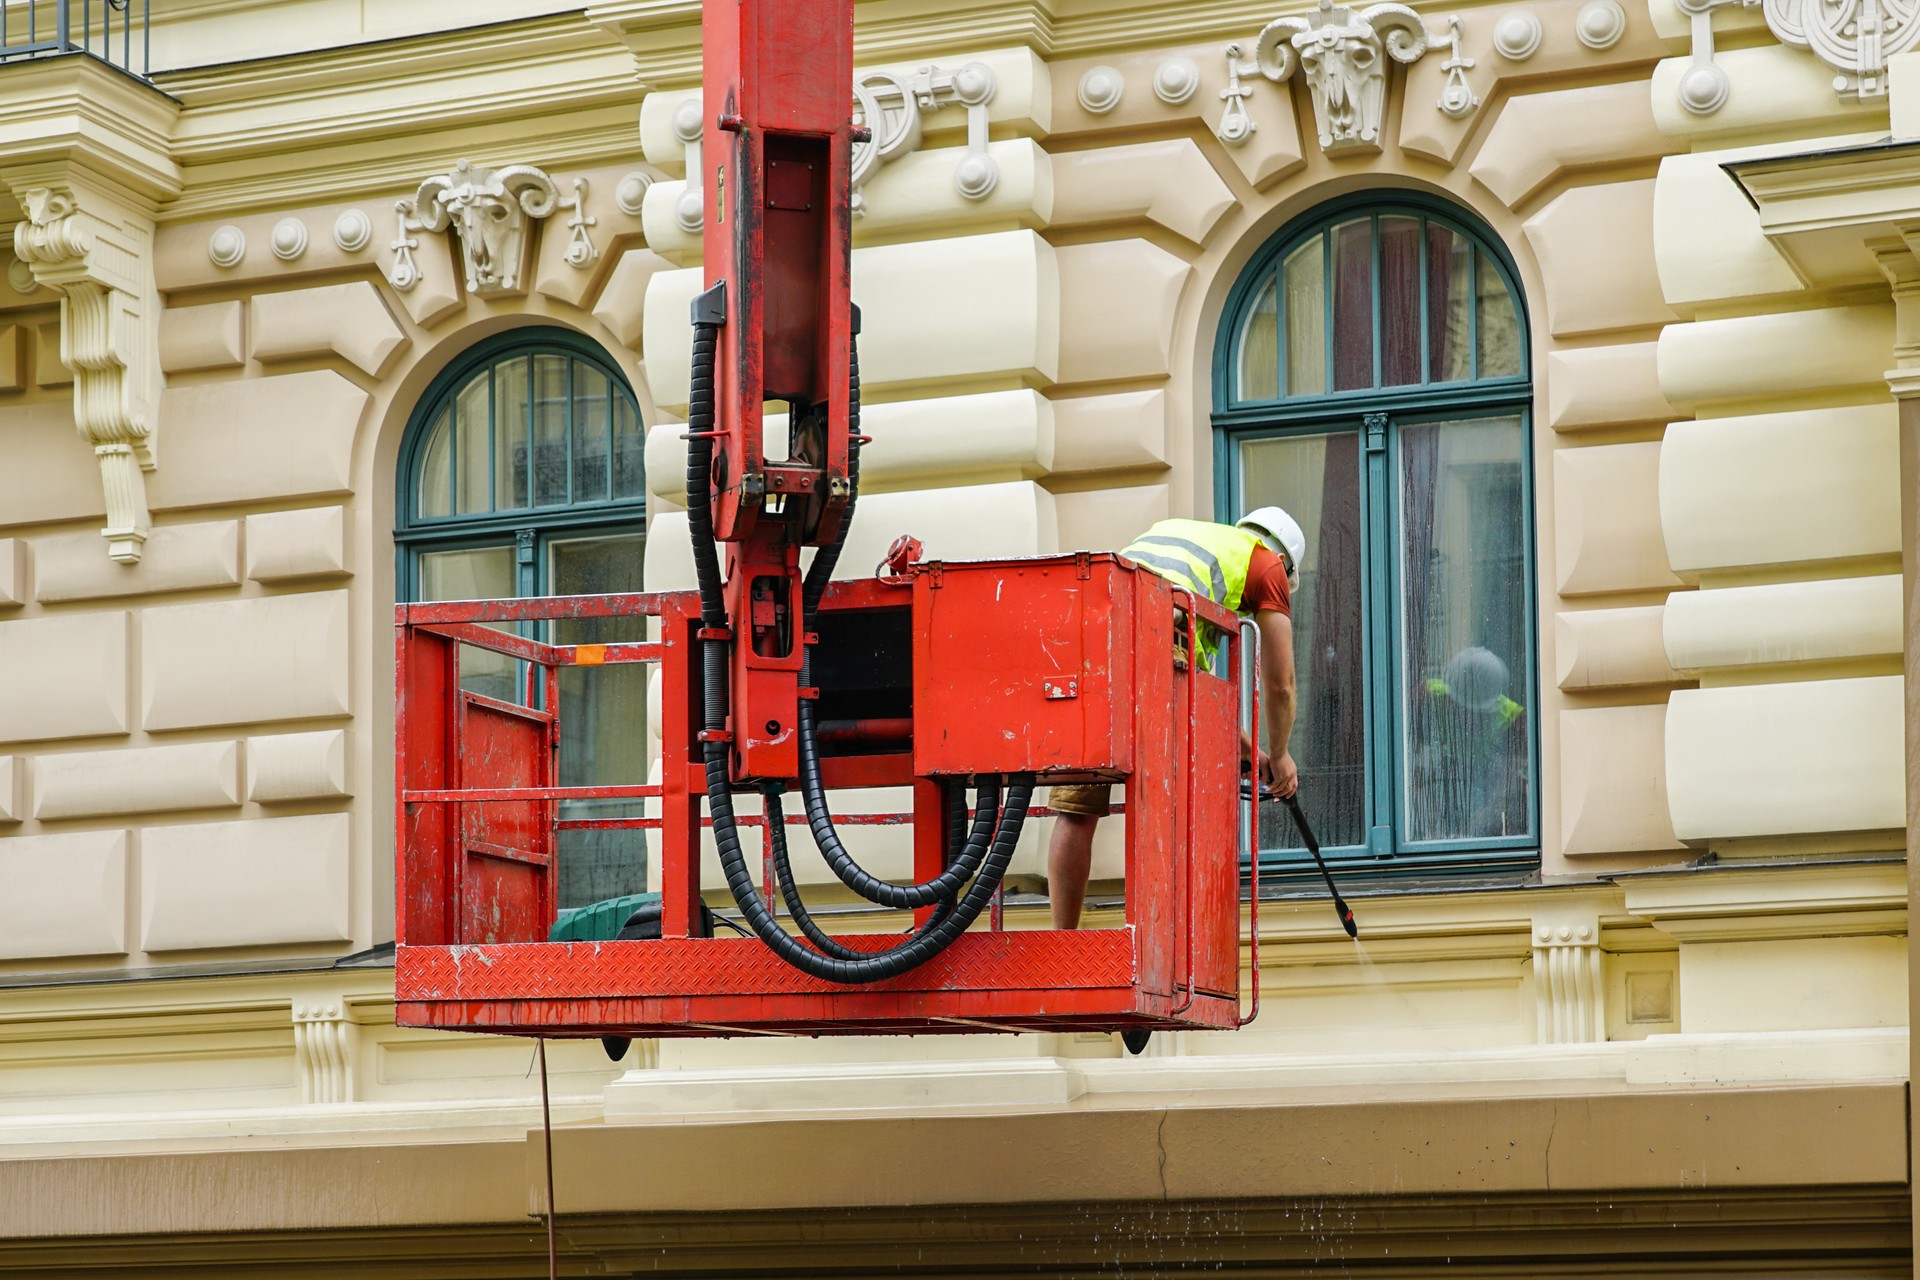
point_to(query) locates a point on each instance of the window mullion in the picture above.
(1378, 559)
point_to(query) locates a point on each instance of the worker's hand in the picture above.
(1285, 776)
(1262, 769)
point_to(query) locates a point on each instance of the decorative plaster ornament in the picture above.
(1516, 35)
(1236, 125)
(632, 193)
(1175, 80)
(1601, 24)
(1340, 51)
(1857, 38)
(1101, 89)
(889, 106)
(686, 120)
(226, 246)
(487, 210)
(20, 277)
(352, 230)
(102, 266)
(581, 251)
(289, 239)
(1457, 98)
(688, 211)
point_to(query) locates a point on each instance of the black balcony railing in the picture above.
(105, 29)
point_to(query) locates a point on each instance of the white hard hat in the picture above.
(1281, 532)
(1477, 677)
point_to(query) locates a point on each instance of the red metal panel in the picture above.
(1213, 795)
(506, 847)
(1153, 810)
(1013, 666)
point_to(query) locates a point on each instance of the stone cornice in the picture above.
(1753, 902)
(76, 112)
(1819, 208)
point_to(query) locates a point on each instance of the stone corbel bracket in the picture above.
(98, 255)
(487, 210)
(1704, 85)
(1342, 53)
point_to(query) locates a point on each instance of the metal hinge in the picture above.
(1376, 432)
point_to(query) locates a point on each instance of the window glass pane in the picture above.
(436, 469)
(510, 433)
(473, 420)
(550, 430)
(1399, 301)
(1259, 367)
(1465, 630)
(480, 573)
(1317, 480)
(603, 721)
(629, 450)
(1449, 295)
(1305, 276)
(1353, 305)
(1499, 324)
(589, 433)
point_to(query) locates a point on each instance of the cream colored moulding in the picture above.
(1792, 759)
(1745, 358)
(1605, 386)
(345, 320)
(1569, 991)
(75, 676)
(1537, 137)
(1611, 648)
(178, 557)
(202, 337)
(1784, 622)
(66, 895)
(244, 661)
(1770, 90)
(1613, 784)
(13, 789)
(256, 439)
(1607, 520)
(1615, 288)
(252, 883)
(1780, 488)
(1342, 54)
(487, 209)
(297, 766)
(286, 545)
(13, 572)
(86, 784)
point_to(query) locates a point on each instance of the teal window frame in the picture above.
(1378, 413)
(529, 529)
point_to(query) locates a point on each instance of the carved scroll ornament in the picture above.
(102, 268)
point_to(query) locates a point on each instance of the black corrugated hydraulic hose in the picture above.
(992, 859)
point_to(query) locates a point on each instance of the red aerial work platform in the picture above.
(1071, 666)
(998, 675)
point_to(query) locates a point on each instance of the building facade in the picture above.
(1577, 333)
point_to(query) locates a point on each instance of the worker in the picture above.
(1253, 568)
(1468, 773)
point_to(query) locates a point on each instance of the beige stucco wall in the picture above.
(195, 772)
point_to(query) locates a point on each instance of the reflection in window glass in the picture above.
(1260, 348)
(480, 573)
(590, 434)
(629, 451)
(1400, 362)
(436, 469)
(510, 433)
(1465, 631)
(1353, 305)
(1449, 305)
(473, 419)
(1498, 325)
(1317, 480)
(1305, 273)
(603, 723)
(550, 430)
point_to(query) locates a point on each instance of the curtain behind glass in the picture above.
(1464, 623)
(603, 721)
(1317, 480)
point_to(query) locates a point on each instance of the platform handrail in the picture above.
(1250, 725)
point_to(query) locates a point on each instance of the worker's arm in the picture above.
(1276, 678)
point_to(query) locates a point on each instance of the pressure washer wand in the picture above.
(1313, 847)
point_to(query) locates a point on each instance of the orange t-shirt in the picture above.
(1266, 586)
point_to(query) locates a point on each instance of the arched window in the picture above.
(1372, 379)
(522, 475)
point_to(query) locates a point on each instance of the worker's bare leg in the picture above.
(1069, 860)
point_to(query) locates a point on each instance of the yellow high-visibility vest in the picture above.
(1207, 559)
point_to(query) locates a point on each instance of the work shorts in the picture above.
(1086, 800)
